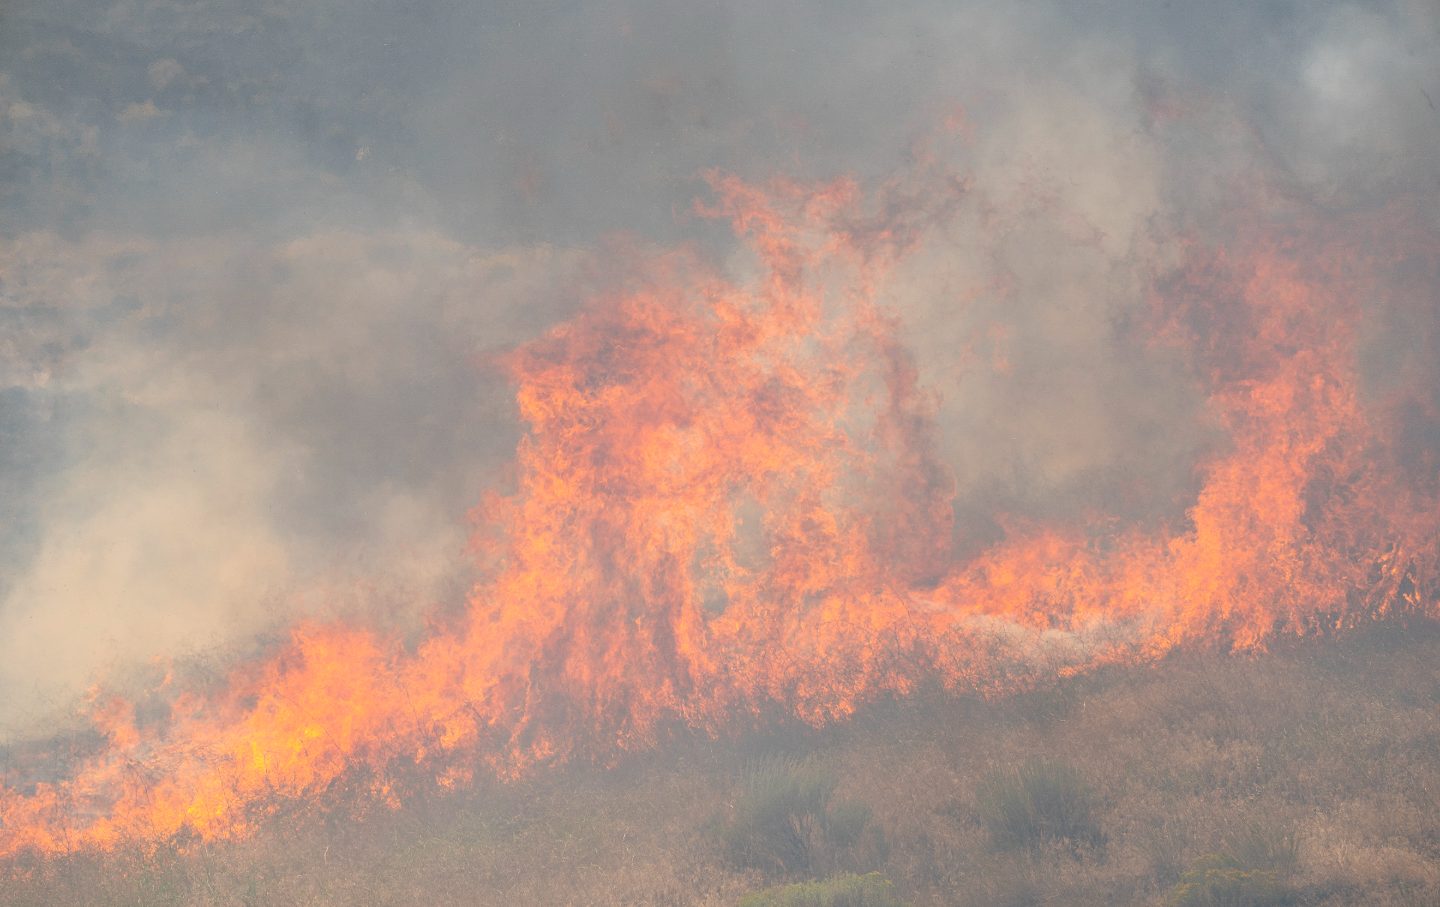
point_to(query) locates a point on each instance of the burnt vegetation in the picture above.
(1307, 776)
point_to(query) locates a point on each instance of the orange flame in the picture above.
(729, 502)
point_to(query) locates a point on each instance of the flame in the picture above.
(729, 503)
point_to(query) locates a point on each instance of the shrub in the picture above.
(1163, 845)
(872, 890)
(1039, 802)
(784, 822)
(1219, 880)
(1250, 871)
(1004, 883)
(1257, 846)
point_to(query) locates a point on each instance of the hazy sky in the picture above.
(254, 256)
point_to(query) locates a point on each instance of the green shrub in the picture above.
(784, 822)
(1250, 871)
(1221, 881)
(1039, 802)
(872, 890)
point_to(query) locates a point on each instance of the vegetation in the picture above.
(1219, 880)
(1037, 803)
(784, 821)
(871, 890)
(1309, 776)
(1252, 870)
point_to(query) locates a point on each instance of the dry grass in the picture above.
(1037, 803)
(1314, 773)
(786, 821)
(849, 890)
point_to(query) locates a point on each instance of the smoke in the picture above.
(257, 257)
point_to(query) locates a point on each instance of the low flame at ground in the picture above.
(729, 503)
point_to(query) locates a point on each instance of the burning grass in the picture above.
(729, 502)
(1307, 776)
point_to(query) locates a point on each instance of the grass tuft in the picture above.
(1037, 803)
(784, 822)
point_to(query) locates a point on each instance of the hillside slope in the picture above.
(1304, 776)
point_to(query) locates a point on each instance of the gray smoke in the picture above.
(256, 255)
